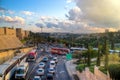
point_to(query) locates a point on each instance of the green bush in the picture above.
(102, 68)
(80, 67)
(114, 71)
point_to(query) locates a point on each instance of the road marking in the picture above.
(61, 72)
(35, 65)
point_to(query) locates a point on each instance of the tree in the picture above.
(99, 55)
(106, 54)
(89, 56)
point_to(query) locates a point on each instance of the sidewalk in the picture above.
(71, 68)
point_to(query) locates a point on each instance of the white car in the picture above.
(55, 59)
(40, 72)
(51, 70)
(36, 78)
(41, 64)
(52, 64)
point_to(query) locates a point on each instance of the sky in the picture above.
(71, 16)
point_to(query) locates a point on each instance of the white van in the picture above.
(52, 64)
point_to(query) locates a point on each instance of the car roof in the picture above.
(51, 68)
(52, 61)
(40, 69)
(36, 76)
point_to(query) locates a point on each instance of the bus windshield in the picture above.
(20, 71)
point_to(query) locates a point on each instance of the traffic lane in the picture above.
(61, 72)
(34, 73)
(32, 64)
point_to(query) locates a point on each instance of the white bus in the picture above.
(7, 69)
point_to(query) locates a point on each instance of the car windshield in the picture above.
(52, 63)
(20, 71)
(40, 70)
(36, 79)
(41, 63)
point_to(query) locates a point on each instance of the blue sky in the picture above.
(42, 7)
(78, 16)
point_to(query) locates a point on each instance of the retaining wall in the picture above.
(6, 55)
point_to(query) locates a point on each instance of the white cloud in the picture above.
(100, 12)
(69, 1)
(28, 13)
(11, 12)
(8, 19)
(51, 24)
(74, 14)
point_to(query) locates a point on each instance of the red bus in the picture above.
(32, 55)
(60, 50)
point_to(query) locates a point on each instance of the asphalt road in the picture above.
(61, 73)
(32, 65)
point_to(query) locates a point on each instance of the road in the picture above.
(61, 73)
(32, 65)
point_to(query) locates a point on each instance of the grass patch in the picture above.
(82, 66)
(101, 68)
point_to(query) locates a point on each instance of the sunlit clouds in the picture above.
(14, 20)
(80, 16)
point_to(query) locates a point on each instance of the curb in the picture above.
(69, 71)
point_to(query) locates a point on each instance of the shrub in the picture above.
(80, 67)
(114, 71)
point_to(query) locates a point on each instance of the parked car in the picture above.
(41, 64)
(51, 70)
(40, 72)
(36, 78)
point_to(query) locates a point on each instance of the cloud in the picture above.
(28, 13)
(55, 25)
(8, 19)
(98, 12)
(69, 1)
(11, 12)
(2, 10)
(40, 25)
(74, 14)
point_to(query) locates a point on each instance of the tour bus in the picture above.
(32, 55)
(7, 69)
(73, 49)
(56, 50)
(21, 70)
